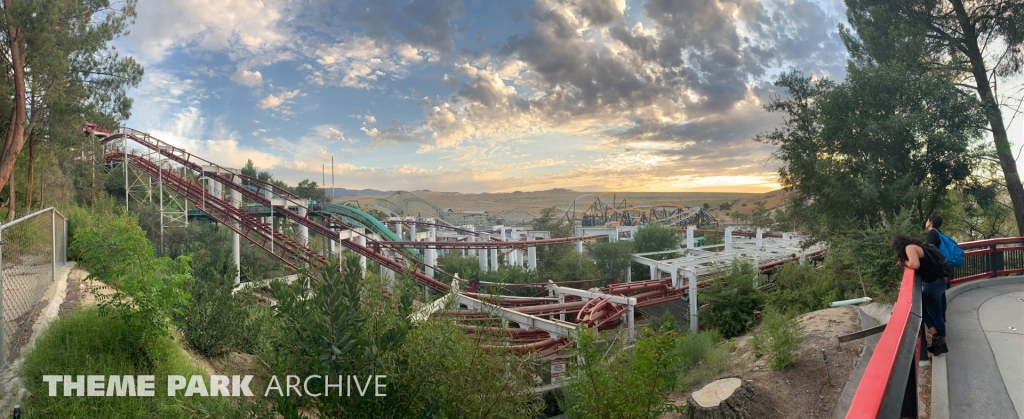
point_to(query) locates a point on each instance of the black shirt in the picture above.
(933, 238)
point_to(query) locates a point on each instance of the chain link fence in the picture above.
(32, 248)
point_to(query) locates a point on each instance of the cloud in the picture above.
(582, 70)
(247, 78)
(273, 101)
(244, 28)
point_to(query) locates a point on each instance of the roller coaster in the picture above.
(542, 324)
(604, 210)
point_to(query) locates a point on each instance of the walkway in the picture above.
(985, 329)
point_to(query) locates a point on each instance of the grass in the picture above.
(705, 356)
(88, 343)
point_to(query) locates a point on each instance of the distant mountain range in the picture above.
(333, 192)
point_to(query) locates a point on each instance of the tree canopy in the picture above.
(883, 141)
(974, 42)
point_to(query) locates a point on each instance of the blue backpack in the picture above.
(951, 250)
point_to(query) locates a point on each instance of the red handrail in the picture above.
(867, 401)
(882, 370)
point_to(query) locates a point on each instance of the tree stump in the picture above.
(728, 398)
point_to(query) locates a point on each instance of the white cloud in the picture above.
(245, 28)
(247, 78)
(273, 101)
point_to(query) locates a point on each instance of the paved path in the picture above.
(985, 329)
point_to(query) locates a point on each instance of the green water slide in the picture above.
(361, 218)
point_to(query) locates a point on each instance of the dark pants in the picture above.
(933, 301)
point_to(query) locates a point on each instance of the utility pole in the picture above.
(333, 192)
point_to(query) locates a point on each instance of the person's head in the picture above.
(899, 245)
(934, 221)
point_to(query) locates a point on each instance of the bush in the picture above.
(799, 289)
(622, 382)
(731, 302)
(89, 343)
(342, 322)
(209, 322)
(454, 263)
(779, 339)
(861, 259)
(147, 291)
(704, 356)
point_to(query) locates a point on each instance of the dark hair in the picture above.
(936, 221)
(899, 245)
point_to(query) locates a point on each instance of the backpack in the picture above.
(951, 250)
(936, 257)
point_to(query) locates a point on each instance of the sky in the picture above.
(480, 95)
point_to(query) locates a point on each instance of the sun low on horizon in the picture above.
(463, 96)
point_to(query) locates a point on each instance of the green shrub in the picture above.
(209, 322)
(89, 343)
(454, 263)
(799, 289)
(147, 291)
(779, 338)
(704, 356)
(341, 322)
(621, 381)
(731, 302)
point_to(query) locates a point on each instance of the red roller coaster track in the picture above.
(186, 181)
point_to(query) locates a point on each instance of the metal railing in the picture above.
(888, 388)
(31, 249)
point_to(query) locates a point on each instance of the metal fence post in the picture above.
(3, 329)
(53, 245)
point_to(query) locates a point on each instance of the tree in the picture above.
(58, 64)
(309, 190)
(976, 41)
(612, 257)
(760, 216)
(882, 142)
(551, 221)
(725, 206)
(653, 237)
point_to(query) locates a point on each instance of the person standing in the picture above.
(933, 224)
(911, 253)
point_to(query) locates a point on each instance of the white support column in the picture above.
(430, 254)
(503, 233)
(758, 241)
(303, 230)
(579, 246)
(341, 261)
(689, 237)
(482, 253)
(398, 229)
(531, 252)
(361, 240)
(675, 277)
(494, 259)
(471, 252)
(728, 239)
(630, 316)
(629, 272)
(654, 272)
(236, 248)
(561, 300)
(412, 232)
(692, 281)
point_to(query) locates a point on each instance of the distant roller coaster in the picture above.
(603, 210)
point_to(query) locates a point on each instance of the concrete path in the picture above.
(985, 363)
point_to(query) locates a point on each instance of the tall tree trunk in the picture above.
(16, 131)
(31, 171)
(994, 115)
(12, 200)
